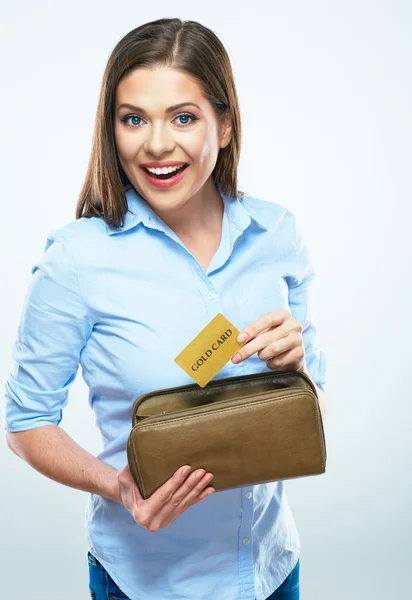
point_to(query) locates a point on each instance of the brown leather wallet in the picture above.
(245, 430)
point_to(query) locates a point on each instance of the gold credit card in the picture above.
(210, 350)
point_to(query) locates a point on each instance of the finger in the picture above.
(138, 498)
(280, 345)
(201, 490)
(162, 496)
(286, 359)
(124, 476)
(208, 491)
(125, 482)
(258, 343)
(144, 511)
(179, 504)
(187, 493)
(192, 486)
(266, 321)
(152, 521)
(204, 494)
(261, 341)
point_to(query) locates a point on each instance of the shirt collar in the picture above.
(238, 210)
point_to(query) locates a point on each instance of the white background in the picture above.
(325, 90)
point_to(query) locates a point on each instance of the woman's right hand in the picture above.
(167, 502)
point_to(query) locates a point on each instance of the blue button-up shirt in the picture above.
(123, 303)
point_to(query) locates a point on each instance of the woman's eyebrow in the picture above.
(168, 110)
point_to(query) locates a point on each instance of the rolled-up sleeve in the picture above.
(53, 330)
(299, 299)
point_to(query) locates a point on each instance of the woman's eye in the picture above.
(125, 120)
(187, 116)
(134, 120)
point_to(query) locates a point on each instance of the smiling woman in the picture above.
(163, 241)
(166, 107)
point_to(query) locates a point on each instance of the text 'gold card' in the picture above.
(210, 350)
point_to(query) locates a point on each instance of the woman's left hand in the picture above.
(277, 338)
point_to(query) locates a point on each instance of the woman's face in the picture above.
(188, 134)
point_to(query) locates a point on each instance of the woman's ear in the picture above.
(226, 130)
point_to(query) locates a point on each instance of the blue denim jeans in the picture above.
(102, 586)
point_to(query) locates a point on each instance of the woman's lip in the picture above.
(165, 164)
(165, 183)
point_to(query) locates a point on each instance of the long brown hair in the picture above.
(188, 47)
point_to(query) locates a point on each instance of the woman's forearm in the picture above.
(52, 452)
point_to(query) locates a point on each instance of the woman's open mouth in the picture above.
(165, 179)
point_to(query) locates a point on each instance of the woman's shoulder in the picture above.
(272, 214)
(83, 231)
(79, 242)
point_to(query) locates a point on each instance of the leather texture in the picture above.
(245, 430)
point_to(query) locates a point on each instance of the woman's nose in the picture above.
(159, 140)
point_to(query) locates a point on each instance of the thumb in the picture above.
(137, 495)
(130, 480)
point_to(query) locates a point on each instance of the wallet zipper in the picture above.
(210, 407)
(215, 384)
(202, 406)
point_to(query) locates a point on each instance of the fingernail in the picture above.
(242, 337)
(185, 471)
(236, 358)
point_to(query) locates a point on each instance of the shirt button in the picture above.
(211, 296)
(248, 495)
(246, 541)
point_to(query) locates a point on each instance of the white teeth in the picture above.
(163, 170)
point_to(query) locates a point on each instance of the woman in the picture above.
(162, 242)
